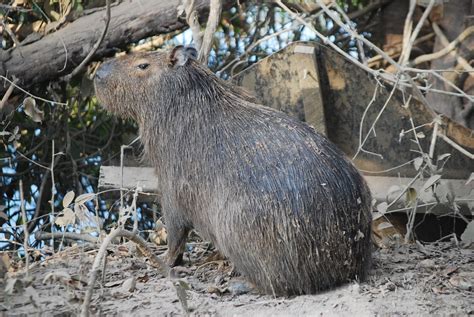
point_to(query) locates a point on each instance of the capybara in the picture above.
(273, 195)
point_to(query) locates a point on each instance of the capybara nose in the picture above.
(104, 70)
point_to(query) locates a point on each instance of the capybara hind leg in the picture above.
(176, 242)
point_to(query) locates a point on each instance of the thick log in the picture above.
(58, 53)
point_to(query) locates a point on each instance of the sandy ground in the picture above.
(430, 279)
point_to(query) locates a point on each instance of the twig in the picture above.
(361, 125)
(444, 40)
(41, 191)
(32, 161)
(400, 69)
(193, 22)
(360, 45)
(25, 228)
(86, 60)
(396, 50)
(389, 169)
(8, 93)
(434, 137)
(41, 235)
(14, 8)
(122, 156)
(360, 148)
(406, 187)
(456, 146)
(407, 106)
(405, 56)
(53, 189)
(325, 39)
(251, 47)
(155, 261)
(134, 210)
(445, 50)
(461, 93)
(407, 27)
(11, 34)
(411, 222)
(30, 94)
(211, 27)
(388, 77)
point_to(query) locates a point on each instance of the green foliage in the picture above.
(84, 137)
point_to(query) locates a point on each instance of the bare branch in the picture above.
(40, 235)
(444, 40)
(157, 262)
(211, 27)
(193, 22)
(456, 146)
(13, 83)
(26, 236)
(407, 49)
(8, 93)
(447, 49)
(407, 29)
(360, 45)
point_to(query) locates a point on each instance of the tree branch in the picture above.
(211, 27)
(86, 60)
(132, 21)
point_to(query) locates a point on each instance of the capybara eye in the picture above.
(143, 66)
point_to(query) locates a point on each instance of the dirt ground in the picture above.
(434, 279)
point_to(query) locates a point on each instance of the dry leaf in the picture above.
(10, 285)
(160, 235)
(420, 135)
(461, 282)
(2, 214)
(82, 213)
(468, 234)
(431, 181)
(411, 196)
(470, 179)
(376, 215)
(32, 111)
(15, 135)
(382, 207)
(68, 198)
(417, 162)
(129, 285)
(384, 225)
(443, 156)
(55, 276)
(81, 199)
(394, 189)
(67, 218)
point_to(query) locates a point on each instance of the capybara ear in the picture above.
(180, 55)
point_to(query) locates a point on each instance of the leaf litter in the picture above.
(413, 279)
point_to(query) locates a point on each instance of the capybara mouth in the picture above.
(104, 71)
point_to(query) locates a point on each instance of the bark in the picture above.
(58, 53)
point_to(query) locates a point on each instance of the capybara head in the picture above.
(129, 85)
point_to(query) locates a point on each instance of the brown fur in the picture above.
(274, 196)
